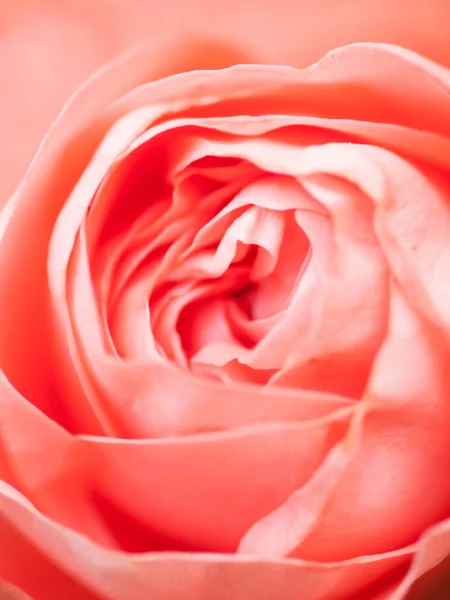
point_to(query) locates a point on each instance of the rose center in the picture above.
(220, 301)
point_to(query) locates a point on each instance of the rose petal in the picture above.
(434, 548)
(115, 575)
(173, 576)
(395, 473)
(11, 592)
(45, 463)
(225, 469)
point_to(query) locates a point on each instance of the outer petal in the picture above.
(173, 576)
(200, 492)
(393, 463)
(120, 576)
(203, 492)
(42, 461)
(69, 41)
(428, 575)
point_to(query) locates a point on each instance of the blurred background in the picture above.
(48, 47)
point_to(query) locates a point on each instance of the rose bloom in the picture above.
(224, 334)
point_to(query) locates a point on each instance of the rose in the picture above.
(224, 321)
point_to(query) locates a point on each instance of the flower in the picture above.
(224, 334)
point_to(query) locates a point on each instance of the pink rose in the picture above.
(224, 317)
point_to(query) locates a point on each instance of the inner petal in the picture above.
(233, 282)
